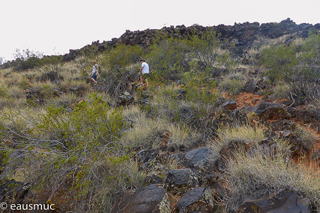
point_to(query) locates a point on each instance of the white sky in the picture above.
(54, 27)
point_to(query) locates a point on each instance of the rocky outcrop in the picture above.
(270, 111)
(149, 199)
(145, 157)
(196, 200)
(229, 105)
(198, 159)
(250, 87)
(178, 181)
(243, 35)
(284, 202)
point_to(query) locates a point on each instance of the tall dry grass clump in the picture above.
(255, 174)
(146, 131)
(244, 133)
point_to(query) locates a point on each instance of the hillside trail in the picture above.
(245, 99)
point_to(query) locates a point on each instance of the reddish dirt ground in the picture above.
(245, 99)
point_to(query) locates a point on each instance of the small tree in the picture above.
(297, 65)
(207, 50)
(26, 59)
(168, 58)
(122, 56)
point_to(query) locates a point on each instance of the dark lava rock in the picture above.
(250, 87)
(308, 116)
(270, 111)
(282, 125)
(196, 200)
(153, 179)
(230, 105)
(78, 90)
(148, 199)
(147, 155)
(179, 181)
(285, 202)
(197, 159)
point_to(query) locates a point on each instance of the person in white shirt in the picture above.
(95, 72)
(144, 72)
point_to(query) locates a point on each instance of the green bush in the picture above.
(122, 56)
(233, 83)
(167, 59)
(26, 59)
(208, 54)
(77, 149)
(199, 89)
(90, 121)
(297, 65)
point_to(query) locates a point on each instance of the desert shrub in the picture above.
(281, 90)
(64, 100)
(11, 96)
(171, 57)
(78, 150)
(233, 83)
(256, 174)
(145, 131)
(82, 120)
(297, 65)
(167, 103)
(51, 64)
(122, 56)
(167, 59)
(208, 54)
(26, 59)
(148, 131)
(307, 135)
(182, 136)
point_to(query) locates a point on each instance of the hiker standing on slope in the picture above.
(144, 72)
(95, 72)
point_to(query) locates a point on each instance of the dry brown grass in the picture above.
(253, 175)
(281, 90)
(242, 133)
(307, 135)
(147, 131)
(233, 82)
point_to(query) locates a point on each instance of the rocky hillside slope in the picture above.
(237, 134)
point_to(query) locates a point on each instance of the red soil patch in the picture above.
(245, 99)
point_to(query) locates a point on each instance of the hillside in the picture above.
(227, 122)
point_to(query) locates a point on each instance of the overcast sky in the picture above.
(54, 27)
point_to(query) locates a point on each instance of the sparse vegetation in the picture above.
(245, 134)
(256, 174)
(297, 65)
(80, 142)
